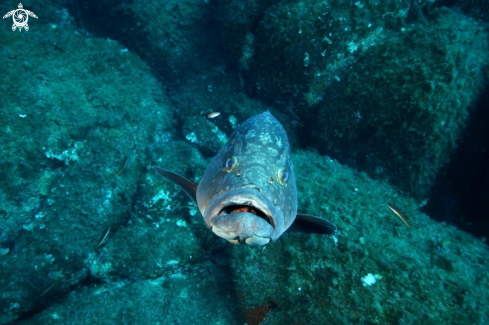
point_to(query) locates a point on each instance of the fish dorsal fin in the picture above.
(189, 187)
(309, 224)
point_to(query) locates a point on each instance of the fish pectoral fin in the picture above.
(187, 186)
(309, 224)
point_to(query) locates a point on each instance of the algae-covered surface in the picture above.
(375, 97)
(423, 275)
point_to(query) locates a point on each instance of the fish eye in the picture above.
(231, 162)
(283, 176)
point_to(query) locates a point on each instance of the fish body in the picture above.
(248, 192)
(213, 114)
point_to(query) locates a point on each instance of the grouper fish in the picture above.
(248, 192)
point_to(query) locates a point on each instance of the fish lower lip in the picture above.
(253, 240)
(243, 227)
(239, 208)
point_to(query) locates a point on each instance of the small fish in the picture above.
(49, 287)
(121, 168)
(398, 213)
(213, 114)
(248, 192)
(104, 237)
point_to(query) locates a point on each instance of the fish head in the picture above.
(248, 192)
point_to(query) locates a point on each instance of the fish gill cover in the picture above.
(373, 96)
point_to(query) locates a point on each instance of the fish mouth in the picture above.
(239, 208)
(244, 215)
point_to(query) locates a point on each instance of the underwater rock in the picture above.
(316, 279)
(83, 117)
(387, 88)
